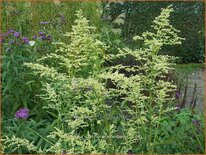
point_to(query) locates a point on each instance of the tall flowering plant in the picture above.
(91, 117)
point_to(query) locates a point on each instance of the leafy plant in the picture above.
(15, 77)
(90, 116)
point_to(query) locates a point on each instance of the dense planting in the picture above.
(86, 100)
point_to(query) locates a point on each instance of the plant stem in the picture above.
(159, 118)
(198, 140)
(41, 136)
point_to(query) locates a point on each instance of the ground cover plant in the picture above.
(80, 98)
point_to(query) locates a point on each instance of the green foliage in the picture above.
(16, 79)
(30, 130)
(145, 96)
(111, 29)
(83, 56)
(188, 68)
(86, 115)
(192, 15)
(60, 15)
(179, 134)
(187, 17)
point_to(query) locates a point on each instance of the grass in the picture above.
(189, 68)
(182, 72)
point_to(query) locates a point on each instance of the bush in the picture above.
(87, 116)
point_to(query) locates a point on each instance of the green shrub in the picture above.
(137, 114)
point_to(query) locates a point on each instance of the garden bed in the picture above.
(69, 87)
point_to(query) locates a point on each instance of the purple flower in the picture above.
(11, 42)
(25, 40)
(43, 37)
(16, 34)
(10, 31)
(22, 113)
(44, 23)
(41, 33)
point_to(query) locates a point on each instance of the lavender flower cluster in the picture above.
(15, 38)
(22, 113)
(42, 36)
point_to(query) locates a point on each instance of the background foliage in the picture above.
(187, 17)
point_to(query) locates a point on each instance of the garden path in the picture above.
(197, 77)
